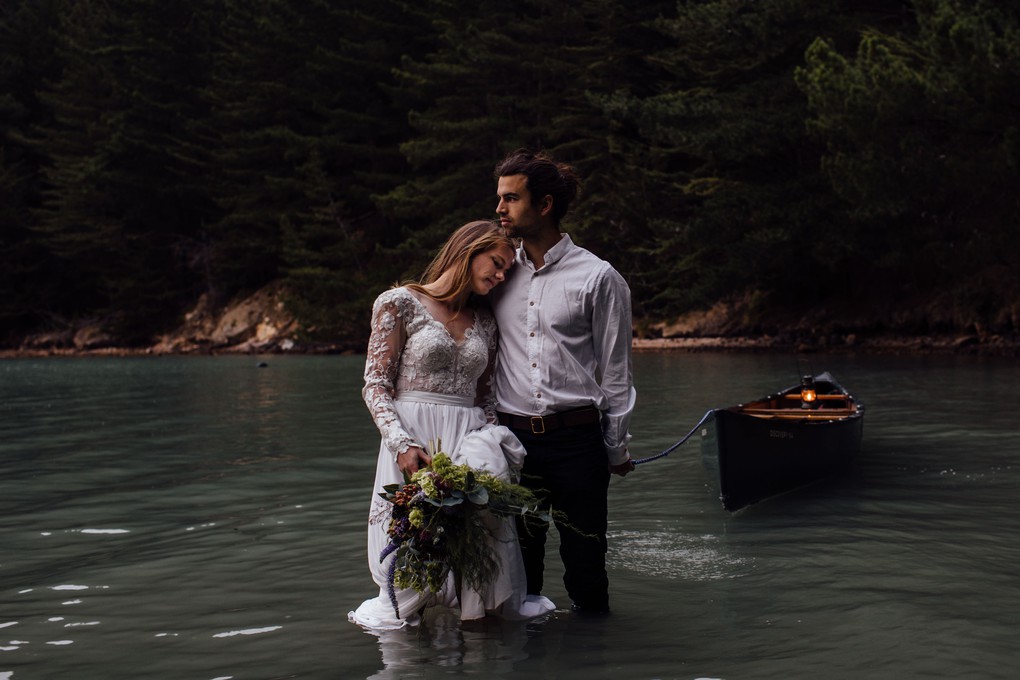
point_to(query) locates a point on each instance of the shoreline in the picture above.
(961, 344)
(949, 344)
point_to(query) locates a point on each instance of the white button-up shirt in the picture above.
(565, 340)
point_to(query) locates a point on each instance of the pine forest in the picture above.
(853, 161)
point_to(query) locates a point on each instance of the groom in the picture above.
(563, 379)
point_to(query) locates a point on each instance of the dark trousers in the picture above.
(569, 470)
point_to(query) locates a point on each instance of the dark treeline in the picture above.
(795, 153)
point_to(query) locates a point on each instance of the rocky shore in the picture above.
(962, 344)
(261, 324)
(959, 344)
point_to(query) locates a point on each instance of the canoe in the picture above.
(783, 441)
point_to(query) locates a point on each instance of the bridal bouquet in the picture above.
(437, 526)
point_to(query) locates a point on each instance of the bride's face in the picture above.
(489, 268)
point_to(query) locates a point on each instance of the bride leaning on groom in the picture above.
(428, 378)
(432, 373)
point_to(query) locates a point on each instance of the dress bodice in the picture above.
(410, 350)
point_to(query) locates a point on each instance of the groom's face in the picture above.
(518, 215)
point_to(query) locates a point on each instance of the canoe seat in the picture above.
(822, 398)
(800, 414)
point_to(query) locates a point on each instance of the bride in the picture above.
(427, 380)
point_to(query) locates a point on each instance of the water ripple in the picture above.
(247, 631)
(675, 555)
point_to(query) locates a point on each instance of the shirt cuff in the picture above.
(617, 455)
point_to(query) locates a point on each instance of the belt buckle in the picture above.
(541, 423)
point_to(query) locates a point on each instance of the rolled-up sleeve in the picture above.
(612, 338)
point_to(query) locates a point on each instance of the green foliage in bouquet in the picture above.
(437, 525)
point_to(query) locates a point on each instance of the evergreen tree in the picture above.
(251, 143)
(331, 274)
(922, 142)
(26, 59)
(116, 203)
(296, 89)
(505, 76)
(469, 90)
(165, 50)
(627, 184)
(331, 255)
(741, 208)
(77, 222)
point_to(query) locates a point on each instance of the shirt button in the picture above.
(538, 394)
(534, 365)
(532, 303)
(532, 333)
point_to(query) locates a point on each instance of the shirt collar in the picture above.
(552, 256)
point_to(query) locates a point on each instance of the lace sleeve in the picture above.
(385, 346)
(485, 396)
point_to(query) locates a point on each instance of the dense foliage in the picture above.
(795, 152)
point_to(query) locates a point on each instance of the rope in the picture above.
(668, 451)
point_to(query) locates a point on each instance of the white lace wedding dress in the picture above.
(423, 387)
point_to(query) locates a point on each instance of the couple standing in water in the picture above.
(506, 354)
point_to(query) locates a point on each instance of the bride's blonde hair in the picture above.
(469, 241)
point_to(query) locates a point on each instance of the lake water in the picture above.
(204, 518)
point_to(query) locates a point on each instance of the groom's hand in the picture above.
(623, 468)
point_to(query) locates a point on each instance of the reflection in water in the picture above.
(495, 648)
(442, 640)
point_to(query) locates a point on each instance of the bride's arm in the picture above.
(385, 345)
(485, 394)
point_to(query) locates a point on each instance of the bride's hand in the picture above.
(409, 461)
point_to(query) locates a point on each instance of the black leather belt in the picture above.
(585, 415)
